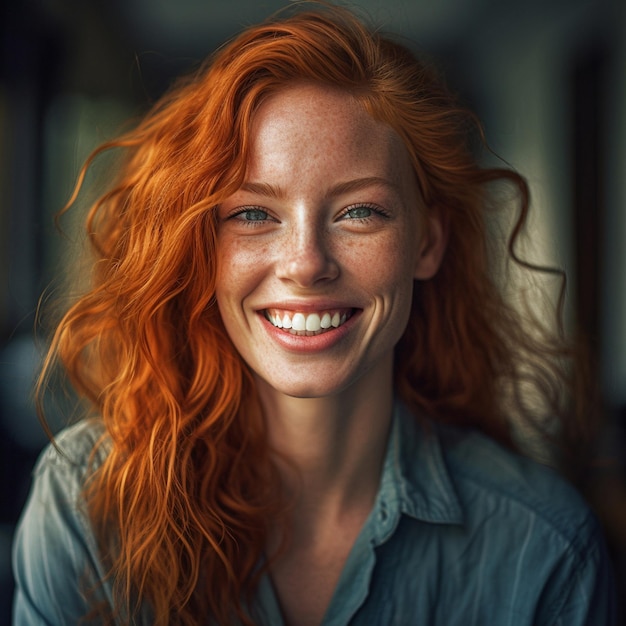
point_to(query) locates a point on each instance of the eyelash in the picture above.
(237, 215)
(376, 210)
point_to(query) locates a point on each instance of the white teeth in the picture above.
(313, 322)
(298, 322)
(309, 323)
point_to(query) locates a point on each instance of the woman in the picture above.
(297, 365)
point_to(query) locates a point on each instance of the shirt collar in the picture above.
(415, 480)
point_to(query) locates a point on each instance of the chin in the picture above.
(309, 391)
(304, 389)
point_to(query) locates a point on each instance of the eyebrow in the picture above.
(272, 191)
(263, 189)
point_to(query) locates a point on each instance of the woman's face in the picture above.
(319, 249)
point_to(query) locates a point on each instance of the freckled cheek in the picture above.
(386, 264)
(240, 269)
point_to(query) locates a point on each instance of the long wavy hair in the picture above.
(182, 504)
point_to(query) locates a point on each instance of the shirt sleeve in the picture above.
(55, 565)
(582, 591)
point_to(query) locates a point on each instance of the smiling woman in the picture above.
(330, 192)
(304, 385)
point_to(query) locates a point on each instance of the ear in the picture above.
(432, 246)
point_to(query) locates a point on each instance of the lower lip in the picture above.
(311, 343)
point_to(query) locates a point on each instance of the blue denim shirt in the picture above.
(462, 533)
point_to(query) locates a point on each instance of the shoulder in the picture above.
(534, 519)
(470, 477)
(60, 476)
(529, 518)
(65, 464)
(486, 534)
(55, 552)
(509, 520)
(76, 448)
(499, 497)
(489, 475)
(61, 473)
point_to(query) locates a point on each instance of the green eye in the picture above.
(253, 215)
(359, 212)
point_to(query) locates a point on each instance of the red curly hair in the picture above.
(189, 485)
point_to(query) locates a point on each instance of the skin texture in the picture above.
(287, 243)
(328, 220)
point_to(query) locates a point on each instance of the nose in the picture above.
(306, 257)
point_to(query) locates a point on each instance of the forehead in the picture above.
(307, 121)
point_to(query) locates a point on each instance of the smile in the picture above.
(307, 324)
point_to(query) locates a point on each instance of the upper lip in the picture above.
(308, 306)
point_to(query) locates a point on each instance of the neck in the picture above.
(336, 444)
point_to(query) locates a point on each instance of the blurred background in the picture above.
(548, 78)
